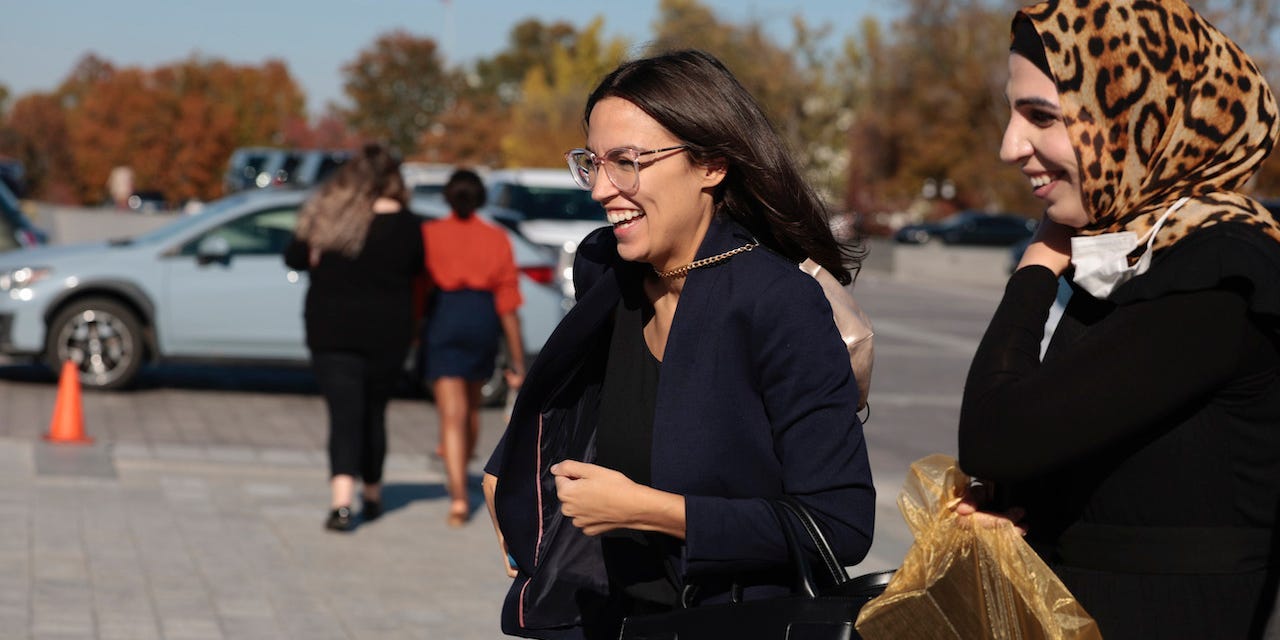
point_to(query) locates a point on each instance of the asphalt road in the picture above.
(214, 454)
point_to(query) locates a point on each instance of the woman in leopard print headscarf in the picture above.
(1145, 447)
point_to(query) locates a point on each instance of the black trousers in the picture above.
(356, 388)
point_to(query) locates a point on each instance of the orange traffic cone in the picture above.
(68, 415)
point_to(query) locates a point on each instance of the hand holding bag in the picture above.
(807, 614)
(967, 582)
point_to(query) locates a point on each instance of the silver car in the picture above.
(208, 287)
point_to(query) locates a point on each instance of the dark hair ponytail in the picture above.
(464, 192)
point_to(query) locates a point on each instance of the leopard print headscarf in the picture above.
(1159, 105)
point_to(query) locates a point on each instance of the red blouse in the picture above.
(472, 254)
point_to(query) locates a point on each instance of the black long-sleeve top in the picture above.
(364, 304)
(1160, 411)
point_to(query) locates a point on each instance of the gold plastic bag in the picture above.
(967, 582)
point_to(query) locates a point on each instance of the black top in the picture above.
(636, 561)
(364, 304)
(1157, 414)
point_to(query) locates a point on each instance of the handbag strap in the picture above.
(804, 572)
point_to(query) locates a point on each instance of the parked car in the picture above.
(549, 208)
(1016, 251)
(262, 167)
(147, 201)
(1272, 205)
(13, 174)
(16, 231)
(207, 287)
(970, 227)
(429, 178)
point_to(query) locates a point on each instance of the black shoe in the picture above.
(339, 520)
(371, 510)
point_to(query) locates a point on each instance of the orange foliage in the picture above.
(469, 133)
(36, 134)
(175, 126)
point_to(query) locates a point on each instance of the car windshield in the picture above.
(554, 203)
(180, 225)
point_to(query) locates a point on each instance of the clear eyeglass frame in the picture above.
(621, 165)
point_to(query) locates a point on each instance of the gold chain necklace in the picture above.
(696, 264)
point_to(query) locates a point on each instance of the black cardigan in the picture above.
(364, 304)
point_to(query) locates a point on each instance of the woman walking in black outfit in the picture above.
(363, 249)
(1145, 447)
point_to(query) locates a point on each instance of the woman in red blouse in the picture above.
(476, 295)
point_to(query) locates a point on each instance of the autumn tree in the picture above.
(529, 44)
(548, 119)
(929, 110)
(469, 133)
(398, 87)
(471, 130)
(176, 126)
(797, 85)
(35, 132)
(328, 131)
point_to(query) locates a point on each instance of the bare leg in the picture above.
(451, 404)
(473, 416)
(340, 489)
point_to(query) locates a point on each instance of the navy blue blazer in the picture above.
(755, 399)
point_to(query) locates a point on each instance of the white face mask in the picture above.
(1102, 261)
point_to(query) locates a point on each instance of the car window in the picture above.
(287, 169)
(8, 235)
(261, 233)
(253, 164)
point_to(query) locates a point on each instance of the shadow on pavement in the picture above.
(398, 495)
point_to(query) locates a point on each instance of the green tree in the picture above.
(398, 87)
(548, 119)
(529, 44)
(471, 129)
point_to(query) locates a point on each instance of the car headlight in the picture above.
(22, 278)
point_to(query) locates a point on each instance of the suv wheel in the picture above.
(103, 338)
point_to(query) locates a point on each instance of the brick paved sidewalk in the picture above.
(134, 545)
(197, 514)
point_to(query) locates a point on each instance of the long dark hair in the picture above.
(698, 100)
(337, 217)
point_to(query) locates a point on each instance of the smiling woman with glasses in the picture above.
(621, 165)
(699, 375)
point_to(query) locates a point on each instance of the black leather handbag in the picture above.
(809, 613)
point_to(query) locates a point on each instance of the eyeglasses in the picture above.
(622, 165)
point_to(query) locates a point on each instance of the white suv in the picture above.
(549, 209)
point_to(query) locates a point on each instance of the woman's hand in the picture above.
(490, 485)
(1050, 247)
(599, 500)
(514, 375)
(969, 508)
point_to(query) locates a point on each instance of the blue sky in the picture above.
(40, 40)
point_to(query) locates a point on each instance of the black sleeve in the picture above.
(297, 255)
(414, 244)
(1132, 372)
